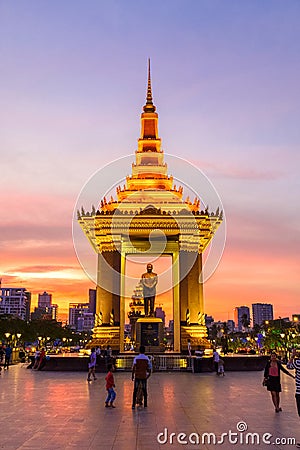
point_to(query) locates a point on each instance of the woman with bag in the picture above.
(272, 379)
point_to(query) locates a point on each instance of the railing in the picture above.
(160, 363)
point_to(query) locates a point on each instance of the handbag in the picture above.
(266, 382)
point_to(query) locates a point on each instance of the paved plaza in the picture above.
(60, 410)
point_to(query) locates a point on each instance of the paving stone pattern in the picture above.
(62, 411)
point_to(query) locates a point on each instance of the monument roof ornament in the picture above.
(149, 191)
(149, 107)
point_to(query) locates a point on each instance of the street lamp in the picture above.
(18, 338)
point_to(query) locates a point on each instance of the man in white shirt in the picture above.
(141, 371)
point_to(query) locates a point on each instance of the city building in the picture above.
(28, 305)
(261, 312)
(92, 300)
(241, 318)
(160, 313)
(171, 326)
(14, 301)
(80, 317)
(44, 300)
(45, 313)
(45, 309)
(85, 321)
(230, 326)
(209, 320)
(296, 318)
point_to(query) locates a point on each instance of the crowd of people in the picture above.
(142, 369)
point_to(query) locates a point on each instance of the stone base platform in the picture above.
(162, 362)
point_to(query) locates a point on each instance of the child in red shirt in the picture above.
(110, 384)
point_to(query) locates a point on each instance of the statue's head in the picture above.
(149, 268)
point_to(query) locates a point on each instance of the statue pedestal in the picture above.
(150, 333)
(104, 336)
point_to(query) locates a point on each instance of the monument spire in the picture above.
(149, 107)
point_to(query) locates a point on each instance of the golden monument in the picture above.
(124, 226)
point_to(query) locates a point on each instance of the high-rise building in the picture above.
(45, 300)
(46, 313)
(160, 314)
(80, 317)
(45, 309)
(85, 322)
(261, 312)
(28, 305)
(92, 300)
(230, 326)
(14, 301)
(54, 311)
(241, 316)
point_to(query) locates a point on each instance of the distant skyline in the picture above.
(225, 78)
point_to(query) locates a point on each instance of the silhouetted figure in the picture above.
(8, 353)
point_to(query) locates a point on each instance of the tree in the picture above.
(245, 320)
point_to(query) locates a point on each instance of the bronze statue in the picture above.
(149, 281)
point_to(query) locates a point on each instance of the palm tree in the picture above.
(245, 320)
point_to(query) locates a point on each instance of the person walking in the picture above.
(221, 370)
(2, 353)
(92, 364)
(36, 359)
(42, 359)
(272, 379)
(141, 371)
(110, 384)
(294, 364)
(216, 357)
(8, 352)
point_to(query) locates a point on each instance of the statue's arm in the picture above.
(153, 281)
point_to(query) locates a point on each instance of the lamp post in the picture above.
(7, 336)
(283, 337)
(18, 337)
(40, 338)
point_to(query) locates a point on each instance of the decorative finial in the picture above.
(149, 107)
(149, 90)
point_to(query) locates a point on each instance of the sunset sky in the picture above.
(225, 78)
